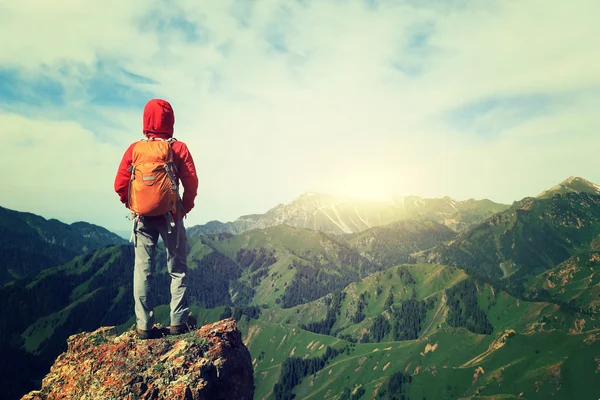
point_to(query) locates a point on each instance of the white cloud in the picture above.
(330, 111)
(57, 169)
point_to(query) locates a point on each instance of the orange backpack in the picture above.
(153, 188)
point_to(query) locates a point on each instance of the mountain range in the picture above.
(30, 243)
(504, 306)
(342, 215)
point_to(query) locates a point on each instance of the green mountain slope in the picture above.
(534, 348)
(459, 364)
(574, 283)
(30, 243)
(40, 313)
(284, 266)
(396, 243)
(271, 344)
(533, 235)
(299, 265)
(381, 293)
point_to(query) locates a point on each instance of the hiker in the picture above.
(147, 182)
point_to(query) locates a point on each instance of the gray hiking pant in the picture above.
(147, 231)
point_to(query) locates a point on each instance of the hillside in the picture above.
(397, 242)
(285, 266)
(533, 235)
(471, 338)
(30, 243)
(574, 283)
(343, 215)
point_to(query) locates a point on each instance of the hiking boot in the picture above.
(153, 333)
(143, 335)
(178, 329)
(183, 328)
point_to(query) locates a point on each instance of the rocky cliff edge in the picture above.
(210, 363)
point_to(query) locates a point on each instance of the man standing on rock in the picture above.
(147, 182)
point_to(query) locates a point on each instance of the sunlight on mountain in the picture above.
(365, 186)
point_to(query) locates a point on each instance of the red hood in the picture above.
(159, 118)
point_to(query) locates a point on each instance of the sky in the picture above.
(493, 99)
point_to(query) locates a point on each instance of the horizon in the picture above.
(276, 99)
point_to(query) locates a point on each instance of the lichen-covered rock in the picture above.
(211, 363)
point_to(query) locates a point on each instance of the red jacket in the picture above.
(158, 123)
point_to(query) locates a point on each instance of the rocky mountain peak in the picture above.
(572, 184)
(211, 362)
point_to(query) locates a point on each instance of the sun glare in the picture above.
(364, 187)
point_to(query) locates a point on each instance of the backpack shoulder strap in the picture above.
(171, 154)
(170, 166)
